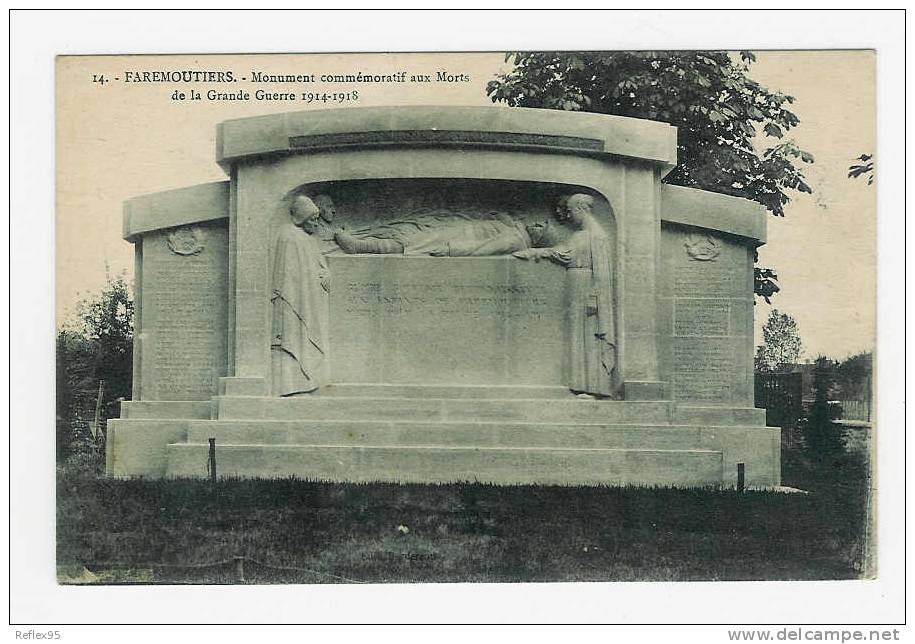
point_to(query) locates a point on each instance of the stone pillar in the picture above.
(138, 335)
(250, 229)
(640, 236)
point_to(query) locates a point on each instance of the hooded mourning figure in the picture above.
(586, 255)
(300, 287)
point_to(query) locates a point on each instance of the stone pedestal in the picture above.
(446, 434)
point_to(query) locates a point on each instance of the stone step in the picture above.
(443, 409)
(692, 414)
(137, 446)
(421, 464)
(678, 414)
(453, 434)
(161, 409)
(497, 392)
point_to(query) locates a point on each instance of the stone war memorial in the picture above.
(443, 294)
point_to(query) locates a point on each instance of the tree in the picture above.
(97, 344)
(854, 376)
(865, 167)
(717, 108)
(781, 347)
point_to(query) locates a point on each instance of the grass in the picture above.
(151, 531)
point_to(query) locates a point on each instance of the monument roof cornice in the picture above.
(713, 211)
(523, 129)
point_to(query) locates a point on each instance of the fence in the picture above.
(780, 395)
(856, 410)
(84, 430)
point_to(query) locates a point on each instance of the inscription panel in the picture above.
(706, 312)
(701, 317)
(447, 320)
(704, 278)
(470, 301)
(468, 138)
(184, 318)
(703, 369)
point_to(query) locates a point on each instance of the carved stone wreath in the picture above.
(186, 240)
(701, 247)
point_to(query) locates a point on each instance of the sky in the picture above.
(119, 140)
(824, 248)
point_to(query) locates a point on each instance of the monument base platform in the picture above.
(440, 464)
(418, 434)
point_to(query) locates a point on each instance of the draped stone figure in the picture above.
(586, 255)
(300, 287)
